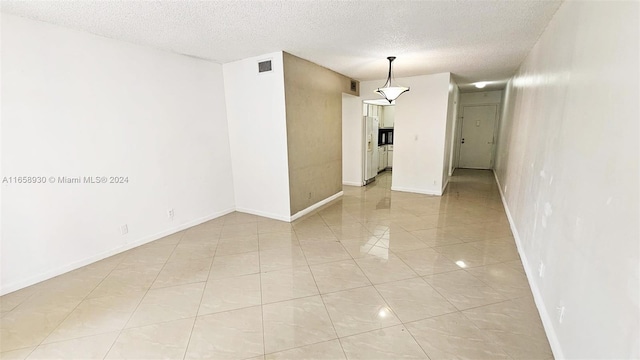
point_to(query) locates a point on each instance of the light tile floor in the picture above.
(374, 275)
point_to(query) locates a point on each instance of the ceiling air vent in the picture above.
(264, 66)
(354, 86)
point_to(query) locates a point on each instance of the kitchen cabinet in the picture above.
(373, 110)
(382, 158)
(390, 156)
(387, 116)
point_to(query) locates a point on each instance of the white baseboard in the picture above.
(265, 214)
(304, 212)
(417, 191)
(7, 288)
(352, 183)
(547, 322)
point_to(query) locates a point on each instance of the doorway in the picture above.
(477, 138)
(378, 116)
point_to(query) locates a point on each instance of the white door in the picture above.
(477, 138)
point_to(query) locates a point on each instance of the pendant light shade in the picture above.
(388, 91)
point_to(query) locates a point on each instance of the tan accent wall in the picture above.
(313, 99)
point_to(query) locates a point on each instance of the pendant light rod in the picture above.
(390, 58)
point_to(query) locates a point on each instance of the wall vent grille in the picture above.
(264, 66)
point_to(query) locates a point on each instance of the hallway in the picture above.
(375, 274)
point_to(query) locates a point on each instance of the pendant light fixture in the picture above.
(388, 91)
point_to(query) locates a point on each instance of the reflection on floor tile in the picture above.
(376, 274)
(359, 310)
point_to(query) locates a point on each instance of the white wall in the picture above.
(352, 146)
(568, 167)
(419, 132)
(481, 98)
(258, 136)
(452, 115)
(75, 104)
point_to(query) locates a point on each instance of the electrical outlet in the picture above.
(170, 214)
(124, 229)
(541, 269)
(560, 310)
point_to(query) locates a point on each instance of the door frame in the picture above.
(363, 150)
(495, 133)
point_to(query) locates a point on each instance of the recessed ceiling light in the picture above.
(481, 84)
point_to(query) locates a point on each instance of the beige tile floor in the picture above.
(374, 275)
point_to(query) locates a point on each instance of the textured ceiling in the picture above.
(475, 40)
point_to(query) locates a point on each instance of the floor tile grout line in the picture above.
(481, 331)
(74, 309)
(379, 294)
(441, 294)
(264, 345)
(137, 305)
(85, 298)
(333, 325)
(427, 283)
(299, 347)
(390, 308)
(489, 284)
(394, 311)
(186, 349)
